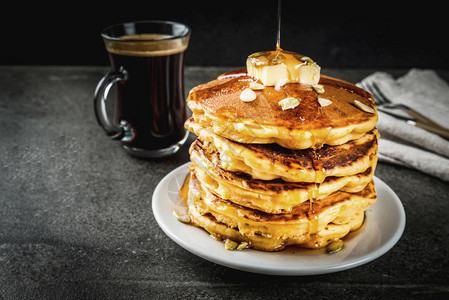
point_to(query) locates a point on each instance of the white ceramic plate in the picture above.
(385, 222)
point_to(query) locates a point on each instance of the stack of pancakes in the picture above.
(266, 177)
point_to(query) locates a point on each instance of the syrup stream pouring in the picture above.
(278, 36)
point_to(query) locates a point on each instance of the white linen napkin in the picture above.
(408, 145)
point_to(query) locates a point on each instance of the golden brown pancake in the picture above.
(220, 231)
(216, 106)
(271, 161)
(305, 225)
(271, 196)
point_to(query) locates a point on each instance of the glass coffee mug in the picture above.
(147, 62)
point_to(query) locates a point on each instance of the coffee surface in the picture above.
(147, 44)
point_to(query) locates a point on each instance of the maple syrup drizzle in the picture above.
(278, 36)
(320, 175)
(184, 191)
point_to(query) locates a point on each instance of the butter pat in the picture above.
(309, 74)
(271, 75)
(276, 68)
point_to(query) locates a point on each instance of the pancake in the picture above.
(224, 219)
(216, 106)
(271, 161)
(273, 196)
(220, 231)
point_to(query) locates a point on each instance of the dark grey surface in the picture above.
(76, 219)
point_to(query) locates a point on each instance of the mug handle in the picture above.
(116, 132)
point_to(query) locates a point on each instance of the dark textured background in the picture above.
(365, 34)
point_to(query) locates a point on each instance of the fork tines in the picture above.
(379, 97)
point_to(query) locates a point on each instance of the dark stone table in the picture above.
(76, 219)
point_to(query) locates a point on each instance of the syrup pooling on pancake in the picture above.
(216, 106)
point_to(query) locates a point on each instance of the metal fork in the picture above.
(415, 119)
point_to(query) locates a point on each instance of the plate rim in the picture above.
(285, 271)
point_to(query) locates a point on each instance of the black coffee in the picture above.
(151, 101)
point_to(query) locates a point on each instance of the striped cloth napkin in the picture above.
(408, 145)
